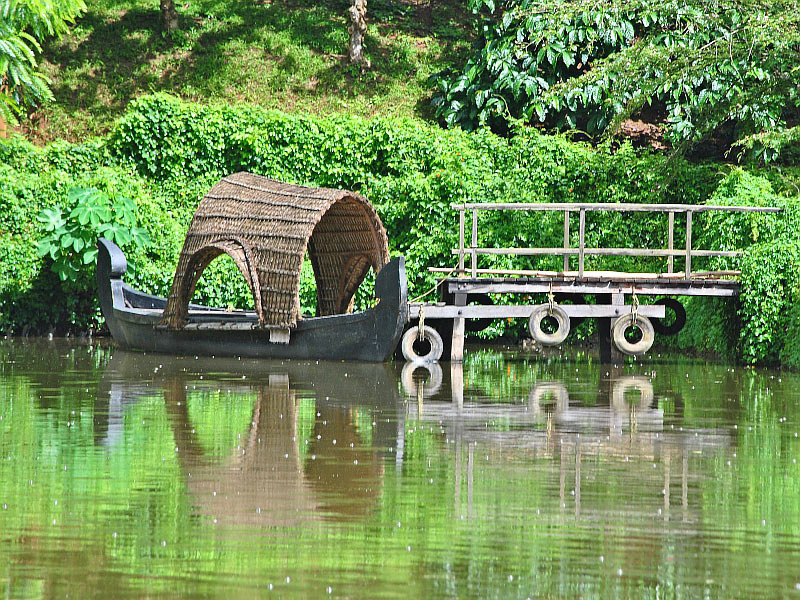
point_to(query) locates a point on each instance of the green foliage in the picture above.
(588, 66)
(24, 24)
(770, 291)
(71, 240)
(165, 154)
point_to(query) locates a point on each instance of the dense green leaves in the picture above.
(24, 24)
(726, 69)
(165, 154)
(71, 240)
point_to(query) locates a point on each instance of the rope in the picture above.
(551, 300)
(441, 281)
(634, 306)
(421, 327)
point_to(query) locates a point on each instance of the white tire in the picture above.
(552, 391)
(431, 336)
(431, 385)
(535, 325)
(633, 348)
(623, 385)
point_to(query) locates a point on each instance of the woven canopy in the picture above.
(266, 227)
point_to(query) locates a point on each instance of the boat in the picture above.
(268, 228)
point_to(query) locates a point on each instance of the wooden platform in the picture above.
(580, 292)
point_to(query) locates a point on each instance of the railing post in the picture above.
(581, 241)
(688, 244)
(474, 243)
(461, 210)
(566, 240)
(670, 241)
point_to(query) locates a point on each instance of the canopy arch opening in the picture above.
(267, 227)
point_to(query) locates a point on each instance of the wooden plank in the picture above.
(220, 326)
(500, 311)
(665, 287)
(461, 241)
(566, 240)
(581, 241)
(651, 252)
(474, 257)
(457, 341)
(670, 241)
(279, 336)
(620, 275)
(613, 207)
(689, 245)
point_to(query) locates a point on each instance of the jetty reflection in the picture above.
(277, 443)
(624, 425)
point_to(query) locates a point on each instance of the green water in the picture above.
(131, 475)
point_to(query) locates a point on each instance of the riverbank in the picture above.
(164, 154)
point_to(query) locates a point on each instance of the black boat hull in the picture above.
(133, 320)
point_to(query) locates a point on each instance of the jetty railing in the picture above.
(581, 251)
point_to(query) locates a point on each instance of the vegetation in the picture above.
(707, 69)
(164, 154)
(23, 27)
(562, 67)
(71, 242)
(290, 54)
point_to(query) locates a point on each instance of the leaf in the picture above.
(89, 256)
(52, 219)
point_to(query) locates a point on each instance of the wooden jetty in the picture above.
(616, 294)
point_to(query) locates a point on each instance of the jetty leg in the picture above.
(457, 347)
(608, 352)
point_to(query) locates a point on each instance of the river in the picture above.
(131, 475)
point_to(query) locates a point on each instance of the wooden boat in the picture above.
(267, 228)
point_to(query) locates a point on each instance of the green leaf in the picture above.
(89, 256)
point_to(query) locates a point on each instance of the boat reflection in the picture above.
(269, 443)
(312, 445)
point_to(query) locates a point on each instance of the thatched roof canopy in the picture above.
(266, 226)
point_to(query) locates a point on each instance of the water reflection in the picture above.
(625, 423)
(131, 475)
(308, 448)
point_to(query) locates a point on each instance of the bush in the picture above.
(165, 154)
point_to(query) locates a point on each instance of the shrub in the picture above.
(71, 240)
(165, 154)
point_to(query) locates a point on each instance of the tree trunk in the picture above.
(357, 29)
(3, 125)
(169, 16)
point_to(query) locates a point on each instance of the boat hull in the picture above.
(133, 319)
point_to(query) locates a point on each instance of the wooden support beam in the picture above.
(566, 240)
(670, 241)
(581, 241)
(501, 311)
(461, 242)
(611, 207)
(665, 287)
(688, 245)
(601, 251)
(474, 263)
(457, 346)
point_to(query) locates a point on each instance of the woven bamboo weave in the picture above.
(267, 227)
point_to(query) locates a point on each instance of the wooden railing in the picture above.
(670, 252)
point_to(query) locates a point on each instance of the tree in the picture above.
(169, 16)
(357, 29)
(710, 67)
(23, 26)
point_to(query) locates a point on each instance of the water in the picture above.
(131, 475)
